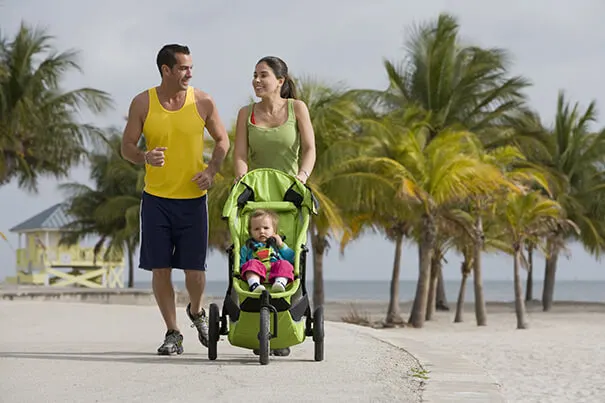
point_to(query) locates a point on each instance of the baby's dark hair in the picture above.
(263, 213)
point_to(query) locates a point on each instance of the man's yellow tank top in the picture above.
(182, 133)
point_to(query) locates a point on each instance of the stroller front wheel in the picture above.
(263, 335)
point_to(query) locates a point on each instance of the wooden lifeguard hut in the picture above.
(41, 261)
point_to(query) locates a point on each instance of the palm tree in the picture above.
(512, 163)
(442, 245)
(431, 177)
(574, 161)
(387, 218)
(463, 243)
(594, 200)
(527, 217)
(457, 85)
(450, 85)
(381, 137)
(463, 234)
(110, 211)
(39, 130)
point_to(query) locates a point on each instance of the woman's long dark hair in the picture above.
(280, 69)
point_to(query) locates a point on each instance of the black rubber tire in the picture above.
(318, 333)
(214, 324)
(264, 334)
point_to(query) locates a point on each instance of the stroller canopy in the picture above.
(269, 185)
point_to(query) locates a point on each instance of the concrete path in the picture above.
(73, 352)
(82, 352)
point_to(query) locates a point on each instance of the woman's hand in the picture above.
(302, 176)
(237, 178)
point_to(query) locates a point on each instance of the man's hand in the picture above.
(204, 179)
(155, 157)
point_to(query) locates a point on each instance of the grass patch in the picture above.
(356, 317)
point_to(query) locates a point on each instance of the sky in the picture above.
(556, 44)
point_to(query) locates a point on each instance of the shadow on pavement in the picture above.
(142, 358)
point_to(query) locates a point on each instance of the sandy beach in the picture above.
(560, 358)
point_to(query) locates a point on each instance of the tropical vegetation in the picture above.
(449, 157)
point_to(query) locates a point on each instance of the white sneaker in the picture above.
(257, 288)
(278, 287)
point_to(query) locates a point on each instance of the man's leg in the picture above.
(191, 244)
(164, 296)
(195, 281)
(156, 253)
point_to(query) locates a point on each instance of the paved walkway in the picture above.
(78, 352)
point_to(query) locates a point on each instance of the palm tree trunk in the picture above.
(519, 303)
(460, 303)
(393, 315)
(441, 303)
(480, 310)
(425, 250)
(130, 251)
(435, 271)
(529, 289)
(319, 246)
(549, 273)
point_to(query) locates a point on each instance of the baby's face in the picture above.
(261, 228)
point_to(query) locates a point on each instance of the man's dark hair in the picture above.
(167, 55)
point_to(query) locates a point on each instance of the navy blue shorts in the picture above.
(174, 233)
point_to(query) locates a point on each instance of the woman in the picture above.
(275, 132)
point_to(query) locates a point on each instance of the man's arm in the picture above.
(217, 131)
(133, 130)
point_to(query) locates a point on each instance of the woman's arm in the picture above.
(307, 140)
(240, 151)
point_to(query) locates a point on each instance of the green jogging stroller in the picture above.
(265, 321)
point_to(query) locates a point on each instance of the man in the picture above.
(174, 222)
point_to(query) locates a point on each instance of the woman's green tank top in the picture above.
(276, 147)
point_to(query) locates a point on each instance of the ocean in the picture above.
(494, 291)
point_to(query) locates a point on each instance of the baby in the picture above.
(266, 250)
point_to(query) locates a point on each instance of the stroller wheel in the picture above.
(318, 333)
(263, 335)
(214, 323)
